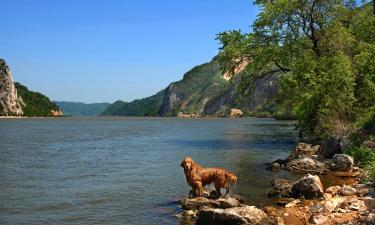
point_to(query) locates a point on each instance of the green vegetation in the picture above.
(35, 103)
(81, 109)
(324, 54)
(143, 107)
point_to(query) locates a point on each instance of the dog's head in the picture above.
(232, 178)
(187, 164)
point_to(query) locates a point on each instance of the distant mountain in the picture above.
(17, 100)
(81, 109)
(204, 90)
(144, 107)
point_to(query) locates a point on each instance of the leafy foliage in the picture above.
(323, 52)
(35, 103)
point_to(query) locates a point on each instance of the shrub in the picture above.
(363, 156)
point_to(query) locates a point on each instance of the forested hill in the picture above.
(81, 109)
(204, 90)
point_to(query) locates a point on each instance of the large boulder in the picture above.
(202, 202)
(308, 186)
(330, 147)
(342, 163)
(232, 216)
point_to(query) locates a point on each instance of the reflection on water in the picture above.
(126, 170)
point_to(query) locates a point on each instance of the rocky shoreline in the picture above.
(306, 201)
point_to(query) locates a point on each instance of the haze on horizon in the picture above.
(103, 51)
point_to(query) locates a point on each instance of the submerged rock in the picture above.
(281, 188)
(309, 187)
(236, 215)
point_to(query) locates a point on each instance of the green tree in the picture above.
(323, 52)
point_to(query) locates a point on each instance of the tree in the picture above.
(317, 49)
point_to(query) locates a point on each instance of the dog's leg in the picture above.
(198, 189)
(227, 191)
(217, 188)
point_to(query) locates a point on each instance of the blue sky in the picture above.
(102, 51)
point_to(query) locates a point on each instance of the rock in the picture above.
(342, 163)
(198, 203)
(203, 202)
(330, 147)
(237, 215)
(305, 163)
(236, 113)
(370, 203)
(281, 188)
(292, 204)
(303, 149)
(347, 190)
(274, 167)
(308, 186)
(10, 102)
(333, 190)
(228, 202)
(318, 219)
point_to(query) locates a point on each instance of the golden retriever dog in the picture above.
(198, 177)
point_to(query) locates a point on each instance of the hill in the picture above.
(81, 109)
(204, 90)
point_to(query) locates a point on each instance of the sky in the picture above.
(102, 51)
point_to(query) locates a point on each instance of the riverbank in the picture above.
(331, 192)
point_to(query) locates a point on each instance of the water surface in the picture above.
(126, 170)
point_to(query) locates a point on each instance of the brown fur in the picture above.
(198, 177)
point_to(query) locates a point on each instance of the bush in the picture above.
(370, 170)
(363, 156)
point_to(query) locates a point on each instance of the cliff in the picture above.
(10, 103)
(204, 90)
(18, 100)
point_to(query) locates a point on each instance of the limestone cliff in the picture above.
(204, 90)
(10, 103)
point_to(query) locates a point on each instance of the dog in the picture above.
(198, 177)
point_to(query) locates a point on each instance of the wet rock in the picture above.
(237, 215)
(330, 147)
(303, 149)
(333, 190)
(202, 202)
(198, 203)
(281, 188)
(347, 190)
(274, 167)
(228, 202)
(342, 163)
(308, 186)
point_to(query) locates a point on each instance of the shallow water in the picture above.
(126, 170)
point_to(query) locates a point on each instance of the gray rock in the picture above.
(342, 163)
(203, 202)
(274, 167)
(330, 147)
(318, 219)
(333, 190)
(237, 215)
(303, 149)
(281, 188)
(347, 190)
(10, 102)
(309, 187)
(305, 163)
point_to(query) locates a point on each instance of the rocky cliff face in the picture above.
(204, 90)
(10, 103)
